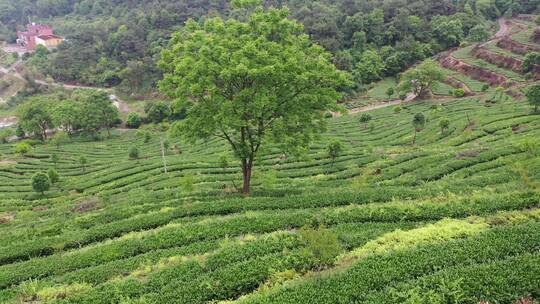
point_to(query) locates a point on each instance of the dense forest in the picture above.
(117, 43)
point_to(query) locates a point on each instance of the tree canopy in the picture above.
(251, 83)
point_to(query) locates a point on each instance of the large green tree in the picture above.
(251, 83)
(97, 112)
(35, 116)
(421, 79)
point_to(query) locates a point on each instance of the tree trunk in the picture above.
(247, 165)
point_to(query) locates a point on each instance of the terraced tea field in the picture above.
(455, 215)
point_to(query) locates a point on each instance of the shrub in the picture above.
(133, 153)
(83, 162)
(458, 93)
(485, 87)
(53, 176)
(365, 118)
(41, 182)
(19, 132)
(322, 244)
(390, 91)
(397, 109)
(133, 120)
(403, 96)
(22, 148)
(333, 150)
(444, 124)
(59, 138)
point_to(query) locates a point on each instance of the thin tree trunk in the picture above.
(247, 166)
(163, 156)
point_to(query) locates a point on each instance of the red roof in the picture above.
(49, 37)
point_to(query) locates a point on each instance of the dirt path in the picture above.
(503, 28)
(8, 121)
(379, 105)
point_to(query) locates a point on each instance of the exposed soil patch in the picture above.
(513, 93)
(85, 205)
(40, 208)
(456, 83)
(474, 72)
(536, 36)
(470, 126)
(467, 154)
(517, 128)
(5, 163)
(6, 218)
(516, 47)
(497, 59)
(7, 121)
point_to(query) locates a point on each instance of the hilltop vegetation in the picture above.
(113, 43)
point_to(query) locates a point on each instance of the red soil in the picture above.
(516, 47)
(497, 59)
(474, 72)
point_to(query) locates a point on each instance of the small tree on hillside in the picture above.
(365, 118)
(53, 176)
(133, 153)
(22, 148)
(55, 159)
(419, 122)
(333, 150)
(421, 79)
(251, 83)
(478, 33)
(389, 92)
(444, 124)
(83, 162)
(533, 96)
(133, 120)
(59, 138)
(41, 182)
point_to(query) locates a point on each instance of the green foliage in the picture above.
(322, 243)
(369, 68)
(531, 59)
(421, 79)
(55, 158)
(22, 148)
(53, 175)
(133, 153)
(187, 182)
(157, 112)
(390, 92)
(59, 139)
(418, 122)
(83, 162)
(533, 96)
(334, 150)
(35, 118)
(397, 109)
(478, 33)
(365, 118)
(253, 102)
(19, 132)
(133, 120)
(444, 124)
(41, 182)
(458, 93)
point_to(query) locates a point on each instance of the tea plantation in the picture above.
(451, 219)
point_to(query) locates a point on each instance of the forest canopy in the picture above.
(111, 43)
